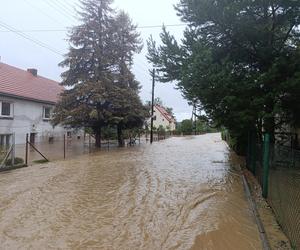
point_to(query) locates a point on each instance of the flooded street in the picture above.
(181, 193)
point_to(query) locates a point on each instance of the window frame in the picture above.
(44, 113)
(11, 109)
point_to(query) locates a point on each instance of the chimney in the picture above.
(33, 71)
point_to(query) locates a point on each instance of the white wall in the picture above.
(161, 120)
(28, 118)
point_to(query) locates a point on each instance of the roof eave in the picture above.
(27, 98)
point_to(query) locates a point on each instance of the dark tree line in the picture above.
(239, 61)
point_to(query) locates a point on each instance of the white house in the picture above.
(26, 104)
(163, 118)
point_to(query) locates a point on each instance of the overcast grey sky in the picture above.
(32, 15)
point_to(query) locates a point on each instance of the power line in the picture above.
(71, 9)
(137, 66)
(64, 30)
(160, 26)
(46, 46)
(143, 63)
(37, 42)
(65, 8)
(141, 72)
(40, 11)
(58, 9)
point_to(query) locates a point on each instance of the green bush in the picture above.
(18, 161)
(40, 161)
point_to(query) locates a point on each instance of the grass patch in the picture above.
(40, 161)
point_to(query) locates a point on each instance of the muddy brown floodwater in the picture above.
(181, 193)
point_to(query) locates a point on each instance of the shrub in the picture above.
(18, 161)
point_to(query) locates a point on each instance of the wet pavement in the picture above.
(181, 193)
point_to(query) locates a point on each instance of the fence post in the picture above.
(64, 146)
(266, 161)
(89, 143)
(253, 153)
(249, 150)
(26, 151)
(13, 150)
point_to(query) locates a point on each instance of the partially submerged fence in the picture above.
(66, 147)
(8, 159)
(277, 169)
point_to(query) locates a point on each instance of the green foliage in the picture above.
(158, 101)
(185, 127)
(203, 126)
(189, 127)
(42, 161)
(109, 133)
(17, 161)
(102, 91)
(161, 129)
(240, 60)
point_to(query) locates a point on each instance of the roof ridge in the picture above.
(164, 112)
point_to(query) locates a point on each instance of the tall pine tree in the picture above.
(101, 90)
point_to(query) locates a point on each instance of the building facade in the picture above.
(163, 118)
(26, 104)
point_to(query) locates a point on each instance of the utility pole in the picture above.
(195, 119)
(152, 106)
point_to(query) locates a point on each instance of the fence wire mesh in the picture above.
(283, 185)
(69, 147)
(284, 190)
(258, 163)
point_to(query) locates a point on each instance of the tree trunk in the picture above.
(120, 136)
(98, 137)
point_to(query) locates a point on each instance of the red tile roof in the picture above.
(20, 83)
(165, 113)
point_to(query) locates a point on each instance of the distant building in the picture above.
(163, 118)
(26, 104)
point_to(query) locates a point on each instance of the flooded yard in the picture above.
(181, 193)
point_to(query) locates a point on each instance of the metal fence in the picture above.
(277, 169)
(8, 158)
(66, 147)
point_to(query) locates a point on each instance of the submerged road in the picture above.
(181, 193)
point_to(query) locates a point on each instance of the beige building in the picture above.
(163, 118)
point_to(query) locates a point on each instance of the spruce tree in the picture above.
(101, 89)
(129, 111)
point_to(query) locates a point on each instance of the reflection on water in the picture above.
(181, 193)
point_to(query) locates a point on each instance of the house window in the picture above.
(5, 141)
(6, 109)
(47, 113)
